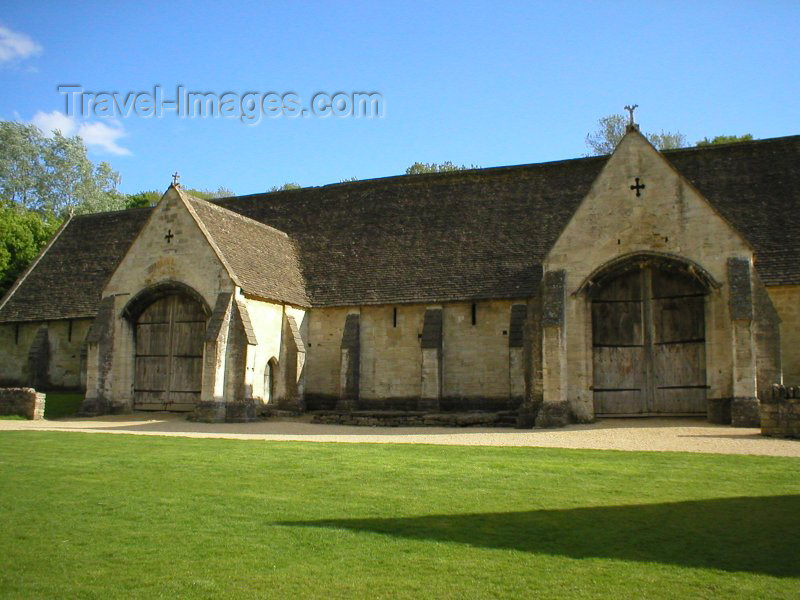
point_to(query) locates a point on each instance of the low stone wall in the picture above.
(242, 411)
(416, 419)
(25, 402)
(780, 413)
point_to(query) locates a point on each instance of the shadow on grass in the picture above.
(751, 534)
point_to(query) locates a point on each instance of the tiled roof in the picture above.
(756, 186)
(263, 260)
(465, 235)
(69, 278)
(427, 238)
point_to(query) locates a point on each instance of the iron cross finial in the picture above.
(630, 109)
(175, 178)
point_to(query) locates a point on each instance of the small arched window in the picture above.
(270, 373)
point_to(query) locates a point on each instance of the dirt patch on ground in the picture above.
(660, 435)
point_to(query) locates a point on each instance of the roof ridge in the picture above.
(112, 212)
(728, 145)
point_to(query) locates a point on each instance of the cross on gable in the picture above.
(630, 108)
(176, 178)
(169, 236)
(638, 187)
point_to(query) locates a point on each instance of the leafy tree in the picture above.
(53, 176)
(142, 199)
(220, 192)
(419, 168)
(23, 233)
(286, 186)
(725, 139)
(612, 129)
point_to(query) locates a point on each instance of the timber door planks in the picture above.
(169, 355)
(648, 345)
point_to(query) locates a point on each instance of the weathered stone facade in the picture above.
(477, 293)
(61, 364)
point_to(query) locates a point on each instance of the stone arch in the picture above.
(648, 336)
(636, 260)
(148, 295)
(168, 322)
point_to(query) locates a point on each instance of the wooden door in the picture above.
(169, 355)
(648, 338)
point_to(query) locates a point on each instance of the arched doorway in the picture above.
(648, 340)
(169, 353)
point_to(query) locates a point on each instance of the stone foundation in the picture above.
(719, 410)
(242, 411)
(25, 402)
(780, 414)
(745, 412)
(553, 414)
(526, 416)
(416, 419)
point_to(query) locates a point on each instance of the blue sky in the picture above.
(484, 83)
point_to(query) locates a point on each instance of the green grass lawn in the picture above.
(62, 404)
(103, 516)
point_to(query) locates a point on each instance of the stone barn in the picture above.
(637, 284)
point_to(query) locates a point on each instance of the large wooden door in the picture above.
(648, 338)
(169, 355)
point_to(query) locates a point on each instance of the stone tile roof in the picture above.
(263, 260)
(484, 233)
(756, 186)
(69, 278)
(465, 235)
(428, 238)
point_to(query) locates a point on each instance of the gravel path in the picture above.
(661, 435)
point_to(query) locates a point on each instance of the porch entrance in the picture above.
(648, 344)
(169, 354)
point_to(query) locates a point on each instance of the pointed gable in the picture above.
(171, 246)
(641, 203)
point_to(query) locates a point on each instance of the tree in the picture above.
(725, 139)
(53, 176)
(220, 192)
(142, 199)
(286, 186)
(612, 129)
(23, 234)
(419, 168)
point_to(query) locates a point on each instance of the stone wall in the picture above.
(25, 402)
(786, 299)
(481, 368)
(780, 412)
(66, 364)
(266, 319)
(325, 328)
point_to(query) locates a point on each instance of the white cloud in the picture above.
(100, 134)
(16, 46)
(95, 135)
(54, 121)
